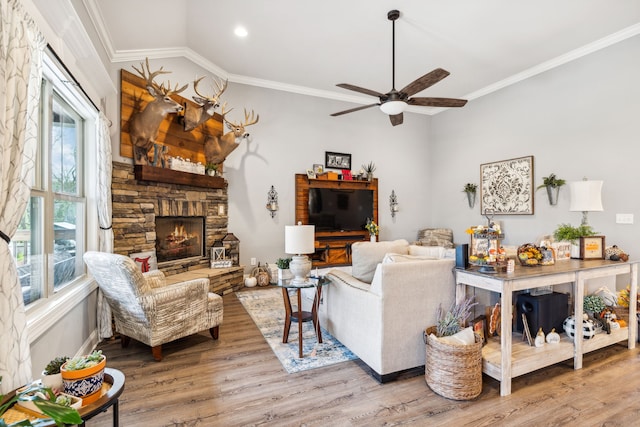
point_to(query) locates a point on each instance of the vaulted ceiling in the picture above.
(309, 47)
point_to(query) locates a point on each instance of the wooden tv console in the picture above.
(332, 247)
(507, 356)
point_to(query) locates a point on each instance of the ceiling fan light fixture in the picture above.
(393, 107)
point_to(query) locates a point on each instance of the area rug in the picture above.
(266, 308)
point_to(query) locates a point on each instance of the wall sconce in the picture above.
(393, 203)
(272, 201)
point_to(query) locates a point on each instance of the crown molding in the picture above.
(185, 52)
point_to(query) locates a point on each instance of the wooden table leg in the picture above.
(287, 317)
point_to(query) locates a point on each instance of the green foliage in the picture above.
(569, 233)
(551, 181)
(593, 303)
(211, 167)
(283, 263)
(369, 168)
(372, 228)
(452, 321)
(470, 188)
(82, 362)
(61, 414)
(53, 367)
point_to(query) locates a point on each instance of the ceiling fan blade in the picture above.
(437, 102)
(396, 119)
(353, 109)
(360, 89)
(425, 81)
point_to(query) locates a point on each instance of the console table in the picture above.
(511, 357)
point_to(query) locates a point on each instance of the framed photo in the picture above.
(592, 247)
(346, 175)
(337, 160)
(311, 173)
(506, 187)
(318, 169)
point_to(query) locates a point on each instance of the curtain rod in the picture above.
(75, 81)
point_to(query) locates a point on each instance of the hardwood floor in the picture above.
(238, 381)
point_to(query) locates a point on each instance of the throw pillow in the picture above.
(436, 237)
(365, 256)
(429, 251)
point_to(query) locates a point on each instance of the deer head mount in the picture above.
(195, 116)
(217, 148)
(144, 125)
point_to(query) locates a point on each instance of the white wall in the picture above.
(577, 120)
(293, 133)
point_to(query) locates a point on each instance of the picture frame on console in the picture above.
(506, 186)
(337, 160)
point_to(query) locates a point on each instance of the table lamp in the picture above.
(585, 197)
(298, 241)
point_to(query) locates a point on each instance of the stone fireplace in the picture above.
(138, 206)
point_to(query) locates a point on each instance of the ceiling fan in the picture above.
(395, 101)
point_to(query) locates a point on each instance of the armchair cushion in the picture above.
(365, 256)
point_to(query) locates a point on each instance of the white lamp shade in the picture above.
(393, 107)
(586, 196)
(299, 239)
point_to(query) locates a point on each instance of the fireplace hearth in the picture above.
(179, 237)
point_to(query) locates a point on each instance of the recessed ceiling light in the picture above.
(241, 31)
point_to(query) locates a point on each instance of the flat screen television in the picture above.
(340, 210)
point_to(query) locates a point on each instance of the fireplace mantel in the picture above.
(170, 176)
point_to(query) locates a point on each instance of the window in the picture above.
(51, 237)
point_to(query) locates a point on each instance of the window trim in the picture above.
(45, 312)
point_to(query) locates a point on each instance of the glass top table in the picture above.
(299, 315)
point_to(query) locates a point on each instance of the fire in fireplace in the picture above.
(179, 237)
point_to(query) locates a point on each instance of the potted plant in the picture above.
(368, 169)
(571, 234)
(373, 230)
(45, 400)
(211, 169)
(82, 376)
(470, 189)
(283, 268)
(552, 184)
(51, 376)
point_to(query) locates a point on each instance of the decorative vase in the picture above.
(552, 192)
(53, 381)
(211, 172)
(471, 198)
(84, 383)
(370, 176)
(372, 238)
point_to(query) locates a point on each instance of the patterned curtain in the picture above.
(105, 234)
(21, 49)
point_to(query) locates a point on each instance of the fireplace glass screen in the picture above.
(179, 237)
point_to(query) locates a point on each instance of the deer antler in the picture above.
(248, 121)
(220, 88)
(223, 113)
(148, 75)
(167, 91)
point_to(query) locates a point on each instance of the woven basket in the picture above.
(453, 371)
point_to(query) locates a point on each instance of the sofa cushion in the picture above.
(391, 258)
(365, 256)
(430, 251)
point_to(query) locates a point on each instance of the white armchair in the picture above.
(146, 309)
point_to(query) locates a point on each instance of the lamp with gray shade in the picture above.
(586, 196)
(299, 240)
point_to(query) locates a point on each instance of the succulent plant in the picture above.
(53, 367)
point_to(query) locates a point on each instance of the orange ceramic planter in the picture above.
(84, 383)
